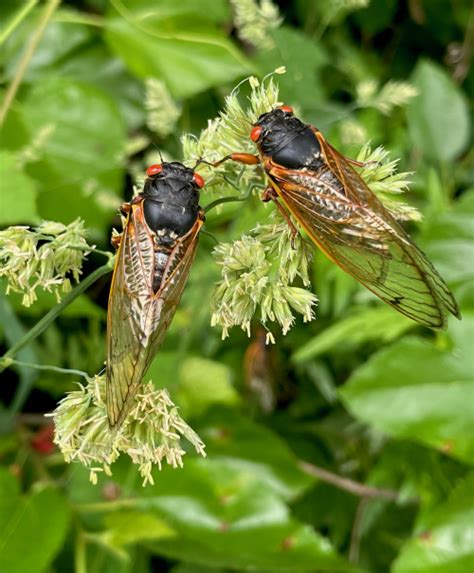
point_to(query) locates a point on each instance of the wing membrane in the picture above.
(350, 224)
(137, 317)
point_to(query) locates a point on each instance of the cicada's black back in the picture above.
(155, 254)
(288, 141)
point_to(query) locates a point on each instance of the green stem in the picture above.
(56, 311)
(17, 20)
(80, 559)
(222, 200)
(232, 199)
(6, 362)
(48, 12)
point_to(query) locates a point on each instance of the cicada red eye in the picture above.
(256, 133)
(198, 180)
(154, 169)
(286, 108)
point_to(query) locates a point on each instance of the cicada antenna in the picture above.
(159, 151)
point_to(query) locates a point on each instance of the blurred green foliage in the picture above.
(360, 391)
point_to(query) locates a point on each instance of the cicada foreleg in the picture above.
(245, 158)
(115, 239)
(270, 194)
(125, 209)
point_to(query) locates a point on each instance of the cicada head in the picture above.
(288, 141)
(171, 193)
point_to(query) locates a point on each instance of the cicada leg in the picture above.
(270, 194)
(245, 158)
(125, 209)
(115, 240)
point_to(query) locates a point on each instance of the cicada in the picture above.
(155, 253)
(320, 189)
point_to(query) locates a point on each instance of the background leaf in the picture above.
(439, 117)
(414, 390)
(23, 524)
(444, 540)
(18, 193)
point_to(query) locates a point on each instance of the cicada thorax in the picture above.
(290, 146)
(171, 208)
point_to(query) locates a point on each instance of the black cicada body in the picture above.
(321, 190)
(154, 257)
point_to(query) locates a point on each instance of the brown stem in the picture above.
(347, 484)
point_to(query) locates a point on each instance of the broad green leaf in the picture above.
(222, 516)
(252, 447)
(32, 529)
(204, 383)
(438, 118)
(125, 527)
(448, 238)
(444, 542)
(303, 57)
(156, 13)
(81, 154)
(381, 324)
(60, 41)
(416, 390)
(95, 65)
(18, 195)
(152, 43)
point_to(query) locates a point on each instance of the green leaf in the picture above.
(249, 446)
(81, 154)
(32, 530)
(204, 383)
(439, 117)
(125, 527)
(445, 537)
(448, 238)
(381, 324)
(18, 203)
(418, 391)
(59, 42)
(224, 517)
(153, 44)
(303, 58)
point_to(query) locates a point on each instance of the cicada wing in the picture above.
(353, 228)
(137, 317)
(172, 286)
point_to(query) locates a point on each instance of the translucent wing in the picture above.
(350, 224)
(138, 318)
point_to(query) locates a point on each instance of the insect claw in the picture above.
(269, 194)
(115, 240)
(125, 208)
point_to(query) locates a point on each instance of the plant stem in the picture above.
(56, 311)
(80, 559)
(17, 20)
(6, 362)
(349, 485)
(48, 12)
(222, 200)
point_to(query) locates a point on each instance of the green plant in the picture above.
(365, 460)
